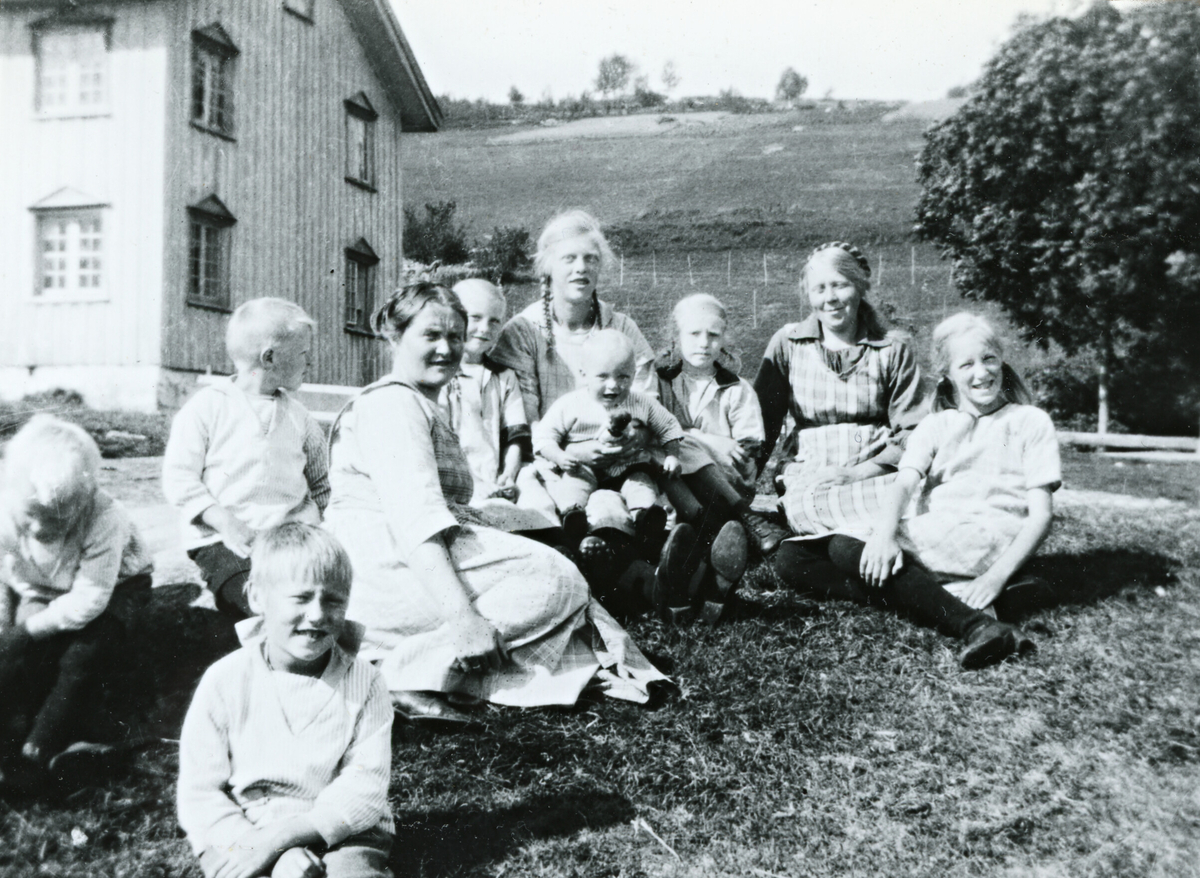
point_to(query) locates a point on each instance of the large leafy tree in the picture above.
(1067, 188)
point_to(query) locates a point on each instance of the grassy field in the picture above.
(808, 740)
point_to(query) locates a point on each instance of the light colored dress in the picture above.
(849, 407)
(400, 478)
(724, 405)
(977, 472)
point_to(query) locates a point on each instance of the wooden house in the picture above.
(162, 161)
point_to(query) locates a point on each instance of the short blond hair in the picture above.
(298, 552)
(609, 341)
(260, 324)
(52, 466)
(698, 302)
(480, 285)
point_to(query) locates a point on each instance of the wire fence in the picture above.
(761, 291)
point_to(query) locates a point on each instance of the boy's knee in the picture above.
(607, 509)
(89, 647)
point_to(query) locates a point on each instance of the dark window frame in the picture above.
(358, 288)
(360, 164)
(209, 223)
(210, 100)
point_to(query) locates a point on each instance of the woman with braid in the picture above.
(544, 345)
(853, 391)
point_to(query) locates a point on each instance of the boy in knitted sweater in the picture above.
(244, 455)
(285, 754)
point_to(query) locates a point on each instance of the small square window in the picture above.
(360, 286)
(213, 56)
(360, 142)
(72, 70)
(70, 255)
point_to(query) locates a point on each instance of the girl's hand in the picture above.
(591, 453)
(477, 644)
(671, 465)
(723, 446)
(298, 863)
(506, 492)
(976, 593)
(881, 559)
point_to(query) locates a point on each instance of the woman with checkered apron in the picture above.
(853, 392)
(455, 611)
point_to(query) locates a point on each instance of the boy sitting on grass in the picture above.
(243, 455)
(72, 570)
(285, 754)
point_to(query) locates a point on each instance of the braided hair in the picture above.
(850, 262)
(566, 226)
(855, 253)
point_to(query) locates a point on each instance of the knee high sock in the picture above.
(913, 591)
(81, 663)
(718, 499)
(805, 566)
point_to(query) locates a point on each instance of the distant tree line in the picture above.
(621, 88)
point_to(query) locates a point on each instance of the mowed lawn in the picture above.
(809, 740)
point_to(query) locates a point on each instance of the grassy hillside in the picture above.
(702, 207)
(746, 182)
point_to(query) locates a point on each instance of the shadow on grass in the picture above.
(171, 644)
(1090, 577)
(443, 843)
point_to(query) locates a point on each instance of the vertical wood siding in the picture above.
(117, 159)
(283, 179)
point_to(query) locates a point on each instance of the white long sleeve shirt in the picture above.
(65, 585)
(265, 464)
(260, 745)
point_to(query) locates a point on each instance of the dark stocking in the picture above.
(913, 591)
(805, 566)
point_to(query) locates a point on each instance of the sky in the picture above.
(879, 49)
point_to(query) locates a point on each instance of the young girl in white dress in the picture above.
(989, 465)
